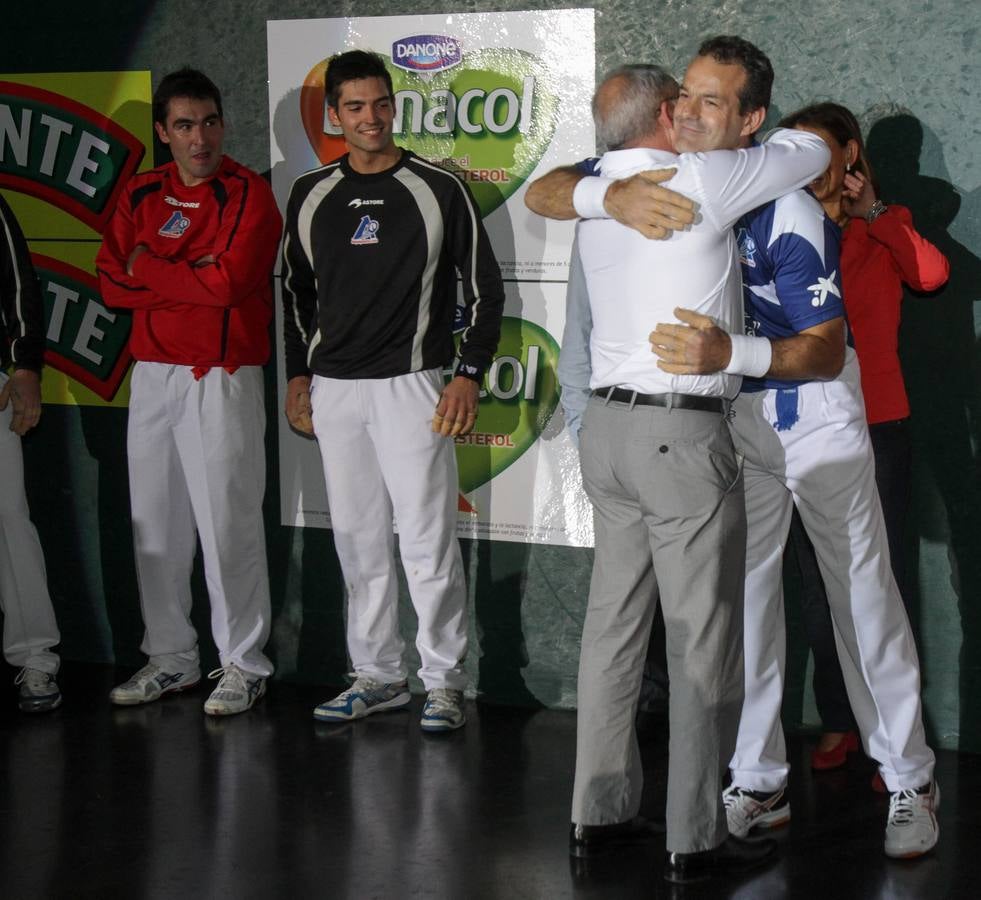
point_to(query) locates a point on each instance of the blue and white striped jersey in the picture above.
(789, 250)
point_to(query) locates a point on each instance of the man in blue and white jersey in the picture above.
(800, 423)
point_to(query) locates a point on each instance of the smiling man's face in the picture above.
(365, 112)
(706, 114)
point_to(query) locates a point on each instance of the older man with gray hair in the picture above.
(659, 467)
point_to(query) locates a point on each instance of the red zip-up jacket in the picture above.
(215, 314)
(876, 260)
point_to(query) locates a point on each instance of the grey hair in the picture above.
(637, 104)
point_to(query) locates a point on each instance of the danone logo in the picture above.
(85, 340)
(519, 395)
(426, 53)
(63, 152)
(489, 117)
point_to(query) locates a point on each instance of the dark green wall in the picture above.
(908, 69)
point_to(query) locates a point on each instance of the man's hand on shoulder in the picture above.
(639, 202)
(298, 407)
(456, 412)
(698, 347)
(23, 392)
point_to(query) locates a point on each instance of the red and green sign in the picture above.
(69, 142)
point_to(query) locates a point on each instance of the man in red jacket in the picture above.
(190, 250)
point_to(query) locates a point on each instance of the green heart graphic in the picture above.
(520, 393)
(494, 159)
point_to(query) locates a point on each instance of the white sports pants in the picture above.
(197, 460)
(381, 458)
(29, 627)
(824, 464)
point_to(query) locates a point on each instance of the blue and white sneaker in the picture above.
(237, 691)
(364, 697)
(38, 692)
(151, 683)
(443, 710)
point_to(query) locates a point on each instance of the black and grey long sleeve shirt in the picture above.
(370, 269)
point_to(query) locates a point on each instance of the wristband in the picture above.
(589, 195)
(750, 356)
(875, 210)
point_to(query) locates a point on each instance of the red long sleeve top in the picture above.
(876, 260)
(213, 314)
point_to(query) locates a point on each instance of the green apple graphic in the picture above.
(519, 395)
(491, 118)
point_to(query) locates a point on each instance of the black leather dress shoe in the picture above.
(731, 857)
(595, 840)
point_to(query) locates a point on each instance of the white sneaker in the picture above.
(746, 809)
(151, 683)
(443, 710)
(38, 690)
(236, 692)
(912, 829)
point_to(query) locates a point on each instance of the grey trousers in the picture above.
(667, 494)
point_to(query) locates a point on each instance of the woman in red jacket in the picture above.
(880, 252)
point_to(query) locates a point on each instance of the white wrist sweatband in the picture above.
(750, 356)
(589, 195)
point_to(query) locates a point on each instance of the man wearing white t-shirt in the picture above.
(660, 469)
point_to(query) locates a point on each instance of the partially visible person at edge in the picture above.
(880, 252)
(190, 249)
(29, 626)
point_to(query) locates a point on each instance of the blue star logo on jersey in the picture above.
(175, 226)
(822, 288)
(747, 248)
(366, 232)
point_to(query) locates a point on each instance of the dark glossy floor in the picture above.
(164, 802)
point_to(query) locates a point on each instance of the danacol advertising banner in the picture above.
(499, 99)
(69, 141)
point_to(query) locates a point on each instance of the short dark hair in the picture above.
(353, 66)
(186, 82)
(735, 51)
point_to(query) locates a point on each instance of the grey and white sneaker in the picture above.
(151, 683)
(443, 710)
(364, 697)
(912, 829)
(746, 809)
(38, 691)
(237, 691)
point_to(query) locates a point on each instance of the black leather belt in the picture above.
(669, 401)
